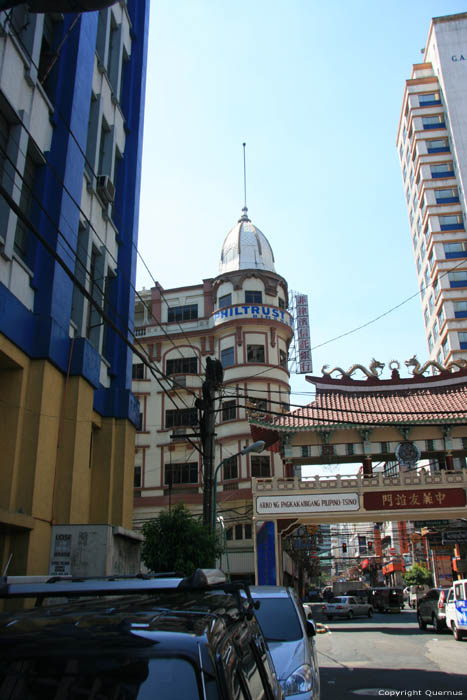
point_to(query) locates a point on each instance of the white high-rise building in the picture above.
(432, 144)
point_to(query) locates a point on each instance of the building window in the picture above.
(138, 371)
(445, 347)
(426, 315)
(260, 467)
(182, 365)
(228, 357)
(349, 448)
(225, 300)
(255, 353)
(460, 309)
(447, 195)
(283, 359)
(439, 170)
(139, 426)
(430, 342)
(455, 250)
(253, 297)
(438, 146)
(137, 478)
(458, 278)
(229, 410)
(433, 122)
(241, 531)
(429, 99)
(183, 473)
(25, 204)
(451, 222)
(441, 317)
(384, 447)
(429, 445)
(175, 418)
(230, 468)
(463, 341)
(188, 312)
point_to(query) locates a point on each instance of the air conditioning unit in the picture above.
(178, 382)
(105, 189)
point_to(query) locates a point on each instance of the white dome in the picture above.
(246, 248)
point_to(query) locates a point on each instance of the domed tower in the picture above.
(246, 247)
(253, 330)
(239, 317)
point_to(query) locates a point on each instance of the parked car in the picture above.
(431, 609)
(385, 599)
(347, 606)
(134, 638)
(456, 609)
(291, 640)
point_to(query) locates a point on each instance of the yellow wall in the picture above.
(60, 461)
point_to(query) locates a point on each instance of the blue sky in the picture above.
(315, 90)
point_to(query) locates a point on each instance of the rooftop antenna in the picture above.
(244, 216)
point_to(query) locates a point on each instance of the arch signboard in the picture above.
(356, 499)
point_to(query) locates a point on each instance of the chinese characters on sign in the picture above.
(423, 498)
(303, 334)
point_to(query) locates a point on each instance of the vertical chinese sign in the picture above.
(302, 331)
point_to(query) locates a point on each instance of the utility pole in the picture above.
(214, 377)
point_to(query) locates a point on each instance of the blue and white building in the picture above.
(72, 90)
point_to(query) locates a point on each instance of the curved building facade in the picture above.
(239, 317)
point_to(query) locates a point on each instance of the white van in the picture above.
(456, 609)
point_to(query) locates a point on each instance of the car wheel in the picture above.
(370, 612)
(421, 624)
(350, 614)
(437, 624)
(456, 632)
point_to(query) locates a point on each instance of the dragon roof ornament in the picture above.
(375, 368)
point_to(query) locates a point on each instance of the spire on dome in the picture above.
(245, 246)
(244, 216)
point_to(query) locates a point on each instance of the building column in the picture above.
(449, 462)
(367, 466)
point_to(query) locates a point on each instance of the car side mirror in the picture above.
(310, 628)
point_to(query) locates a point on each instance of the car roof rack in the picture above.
(41, 587)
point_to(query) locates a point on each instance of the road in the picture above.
(387, 656)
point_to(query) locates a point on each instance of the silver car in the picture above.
(291, 640)
(347, 606)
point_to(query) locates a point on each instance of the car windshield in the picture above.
(278, 620)
(110, 678)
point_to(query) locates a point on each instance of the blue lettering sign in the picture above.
(224, 313)
(275, 313)
(238, 312)
(266, 310)
(255, 310)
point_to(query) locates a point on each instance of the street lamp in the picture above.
(254, 447)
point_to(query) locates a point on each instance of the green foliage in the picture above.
(418, 575)
(176, 541)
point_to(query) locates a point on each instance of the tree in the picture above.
(176, 541)
(418, 575)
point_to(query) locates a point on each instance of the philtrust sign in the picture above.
(269, 313)
(289, 505)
